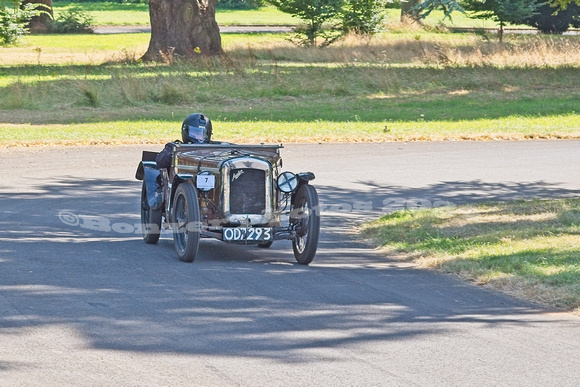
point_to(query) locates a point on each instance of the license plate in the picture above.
(247, 234)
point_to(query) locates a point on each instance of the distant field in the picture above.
(108, 13)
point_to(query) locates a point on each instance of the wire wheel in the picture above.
(186, 218)
(305, 221)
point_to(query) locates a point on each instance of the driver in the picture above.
(196, 129)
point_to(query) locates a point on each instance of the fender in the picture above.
(178, 179)
(153, 184)
(303, 179)
(151, 174)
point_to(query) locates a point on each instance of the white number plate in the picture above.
(247, 234)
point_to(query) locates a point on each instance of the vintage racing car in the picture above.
(234, 193)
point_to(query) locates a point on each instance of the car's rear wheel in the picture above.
(150, 219)
(186, 222)
(305, 220)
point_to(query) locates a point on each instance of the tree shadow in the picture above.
(72, 254)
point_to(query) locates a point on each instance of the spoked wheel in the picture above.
(305, 220)
(150, 219)
(186, 226)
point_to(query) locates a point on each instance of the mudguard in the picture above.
(149, 171)
(154, 186)
(151, 174)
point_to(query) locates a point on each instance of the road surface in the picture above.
(84, 302)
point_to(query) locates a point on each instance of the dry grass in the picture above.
(407, 45)
(422, 49)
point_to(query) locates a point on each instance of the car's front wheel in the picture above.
(305, 220)
(150, 219)
(186, 218)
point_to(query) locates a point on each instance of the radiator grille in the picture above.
(247, 191)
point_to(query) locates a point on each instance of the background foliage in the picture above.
(14, 19)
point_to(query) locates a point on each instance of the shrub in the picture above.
(14, 20)
(74, 20)
(363, 16)
(314, 13)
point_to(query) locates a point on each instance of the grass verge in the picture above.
(529, 249)
(407, 85)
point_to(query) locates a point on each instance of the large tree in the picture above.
(182, 28)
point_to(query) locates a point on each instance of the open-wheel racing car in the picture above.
(234, 193)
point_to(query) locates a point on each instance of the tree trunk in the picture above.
(40, 23)
(182, 28)
(406, 9)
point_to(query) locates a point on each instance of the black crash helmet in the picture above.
(196, 129)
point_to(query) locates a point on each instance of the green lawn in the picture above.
(108, 13)
(112, 13)
(530, 249)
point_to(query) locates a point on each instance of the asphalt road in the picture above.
(84, 302)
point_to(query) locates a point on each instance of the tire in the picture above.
(186, 222)
(265, 245)
(305, 220)
(150, 219)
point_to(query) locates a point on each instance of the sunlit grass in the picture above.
(531, 249)
(412, 85)
(94, 49)
(113, 13)
(139, 129)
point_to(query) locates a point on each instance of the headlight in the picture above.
(287, 182)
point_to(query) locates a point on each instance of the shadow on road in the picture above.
(71, 253)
